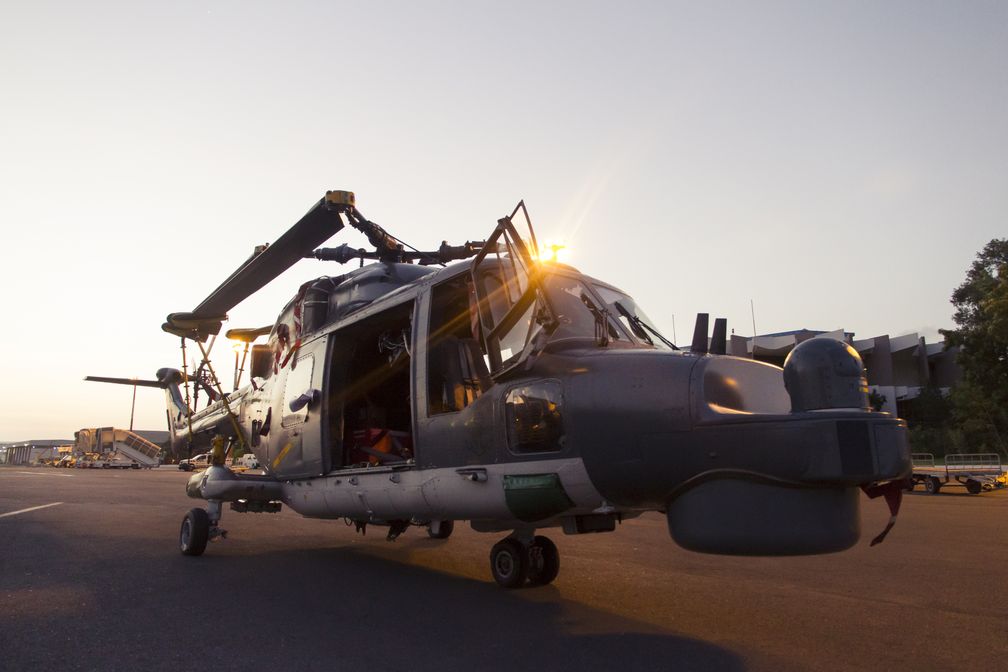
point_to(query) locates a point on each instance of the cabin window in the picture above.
(535, 424)
(262, 362)
(456, 368)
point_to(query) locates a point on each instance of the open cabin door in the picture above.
(513, 311)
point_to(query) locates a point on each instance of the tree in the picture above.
(876, 400)
(981, 317)
(928, 417)
(980, 421)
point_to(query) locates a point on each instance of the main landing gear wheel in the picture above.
(513, 563)
(509, 563)
(440, 529)
(544, 561)
(195, 532)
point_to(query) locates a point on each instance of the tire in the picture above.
(445, 529)
(974, 487)
(932, 485)
(544, 561)
(195, 532)
(509, 563)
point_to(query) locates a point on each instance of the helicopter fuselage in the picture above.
(378, 405)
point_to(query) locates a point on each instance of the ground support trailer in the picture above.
(975, 471)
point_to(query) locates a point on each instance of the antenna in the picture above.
(752, 311)
(719, 339)
(699, 344)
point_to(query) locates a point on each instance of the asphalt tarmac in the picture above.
(97, 583)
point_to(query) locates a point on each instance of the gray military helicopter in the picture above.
(518, 395)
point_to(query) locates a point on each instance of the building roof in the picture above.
(42, 443)
(808, 333)
(153, 435)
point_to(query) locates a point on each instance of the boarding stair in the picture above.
(118, 447)
(134, 447)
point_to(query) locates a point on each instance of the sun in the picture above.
(552, 252)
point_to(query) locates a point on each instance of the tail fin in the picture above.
(168, 380)
(177, 409)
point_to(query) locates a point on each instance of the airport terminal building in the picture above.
(898, 367)
(31, 452)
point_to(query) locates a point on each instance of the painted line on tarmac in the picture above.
(40, 473)
(31, 508)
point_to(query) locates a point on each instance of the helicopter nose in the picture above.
(741, 463)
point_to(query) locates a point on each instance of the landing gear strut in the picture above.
(440, 529)
(513, 562)
(544, 561)
(200, 527)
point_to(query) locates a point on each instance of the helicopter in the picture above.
(483, 383)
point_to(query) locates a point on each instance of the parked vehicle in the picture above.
(201, 461)
(248, 460)
(975, 471)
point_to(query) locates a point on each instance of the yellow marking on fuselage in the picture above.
(283, 453)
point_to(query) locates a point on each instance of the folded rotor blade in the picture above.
(247, 335)
(317, 226)
(127, 381)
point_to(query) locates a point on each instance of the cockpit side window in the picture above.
(513, 312)
(456, 368)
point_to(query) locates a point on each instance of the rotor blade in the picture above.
(247, 335)
(127, 381)
(317, 226)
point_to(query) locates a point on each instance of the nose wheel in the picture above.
(199, 527)
(195, 532)
(514, 563)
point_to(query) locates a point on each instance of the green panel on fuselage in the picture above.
(532, 497)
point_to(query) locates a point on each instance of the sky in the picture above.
(832, 165)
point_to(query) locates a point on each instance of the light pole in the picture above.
(133, 408)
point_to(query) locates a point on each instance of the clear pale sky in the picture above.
(839, 164)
